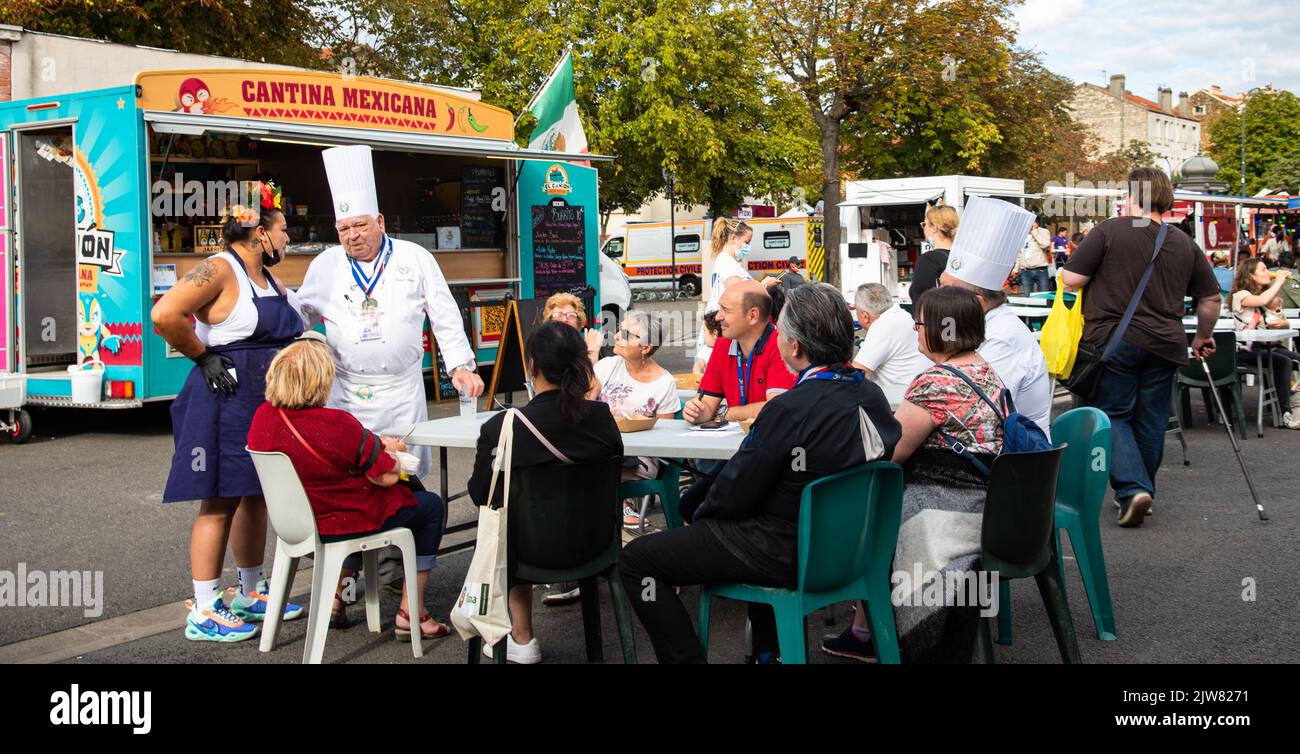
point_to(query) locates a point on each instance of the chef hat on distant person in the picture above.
(990, 237)
(351, 174)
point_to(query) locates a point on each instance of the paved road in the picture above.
(85, 494)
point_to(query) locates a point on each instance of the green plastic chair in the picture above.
(1080, 492)
(848, 531)
(1223, 371)
(666, 487)
(565, 524)
(1017, 542)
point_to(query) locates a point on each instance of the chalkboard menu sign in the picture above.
(446, 390)
(480, 227)
(559, 248)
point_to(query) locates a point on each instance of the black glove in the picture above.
(213, 367)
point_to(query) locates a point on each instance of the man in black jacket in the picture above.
(746, 530)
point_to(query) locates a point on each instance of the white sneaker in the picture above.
(520, 654)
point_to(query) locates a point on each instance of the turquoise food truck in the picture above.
(107, 197)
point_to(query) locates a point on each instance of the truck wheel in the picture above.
(22, 429)
(689, 286)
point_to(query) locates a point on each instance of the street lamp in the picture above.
(669, 180)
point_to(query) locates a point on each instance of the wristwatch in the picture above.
(470, 365)
(721, 412)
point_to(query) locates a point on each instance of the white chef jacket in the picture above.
(1013, 353)
(381, 382)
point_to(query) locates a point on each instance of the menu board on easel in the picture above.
(559, 248)
(480, 226)
(445, 389)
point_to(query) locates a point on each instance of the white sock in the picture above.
(205, 592)
(248, 578)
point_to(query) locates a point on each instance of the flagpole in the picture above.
(568, 52)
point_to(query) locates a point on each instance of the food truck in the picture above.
(882, 237)
(107, 197)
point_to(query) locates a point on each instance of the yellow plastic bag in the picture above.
(1061, 334)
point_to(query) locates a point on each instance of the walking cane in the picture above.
(1218, 400)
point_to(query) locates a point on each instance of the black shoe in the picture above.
(1133, 510)
(562, 594)
(850, 646)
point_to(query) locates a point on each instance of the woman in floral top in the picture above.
(634, 385)
(943, 496)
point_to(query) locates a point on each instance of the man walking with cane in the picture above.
(1136, 385)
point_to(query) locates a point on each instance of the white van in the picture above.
(615, 293)
(644, 252)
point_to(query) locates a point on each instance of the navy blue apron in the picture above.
(211, 429)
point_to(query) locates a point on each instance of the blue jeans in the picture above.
(1136, 392)
(1034, 280)
(424, 519)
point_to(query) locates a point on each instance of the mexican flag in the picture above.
(556, 108)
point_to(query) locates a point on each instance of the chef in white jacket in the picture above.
(373, 293)
(988, 242)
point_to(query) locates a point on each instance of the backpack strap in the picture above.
(957, 446)
(554, 451)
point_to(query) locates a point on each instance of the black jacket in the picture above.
(594, 438)
(806, 433)
(926, 275)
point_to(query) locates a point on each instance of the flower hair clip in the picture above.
(271, 196)
(238, 212)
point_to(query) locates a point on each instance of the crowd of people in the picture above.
(780, 353)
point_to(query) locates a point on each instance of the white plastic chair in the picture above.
(296, 536)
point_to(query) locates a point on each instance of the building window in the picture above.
(1198, 109)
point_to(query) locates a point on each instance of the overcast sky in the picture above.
(1182, 44)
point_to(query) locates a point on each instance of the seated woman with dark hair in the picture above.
(943, 500)
(347, 496)
(581, 429)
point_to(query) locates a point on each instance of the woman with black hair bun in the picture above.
(583, 430)
(243, 317)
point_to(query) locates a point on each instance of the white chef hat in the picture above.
(351, 174)
(990, 237)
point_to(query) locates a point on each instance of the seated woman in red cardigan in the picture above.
(349, 473)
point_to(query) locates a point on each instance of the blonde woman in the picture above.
(347, 496)
(567, 309)
(730, 247)
(940, 228)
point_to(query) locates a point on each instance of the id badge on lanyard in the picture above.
(370, 317)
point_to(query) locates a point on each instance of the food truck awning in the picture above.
(894, 199)
(193, 124)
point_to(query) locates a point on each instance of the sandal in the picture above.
(339, 614)
(435, 629)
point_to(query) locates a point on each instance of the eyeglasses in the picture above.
(917, 325)
(564, 316)
(626, 334)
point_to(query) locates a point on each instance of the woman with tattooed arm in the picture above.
(244, 316)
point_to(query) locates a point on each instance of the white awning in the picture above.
(893, 199)
(1001, 194)
(191, 124)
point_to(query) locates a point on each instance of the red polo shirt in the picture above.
(764, 371)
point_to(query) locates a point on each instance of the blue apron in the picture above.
(211, 429)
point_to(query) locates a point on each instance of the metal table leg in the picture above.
(1259, 377)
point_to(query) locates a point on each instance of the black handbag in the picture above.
(1090, 361)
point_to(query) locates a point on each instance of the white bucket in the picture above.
(87, 385)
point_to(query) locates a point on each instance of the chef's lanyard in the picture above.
(365, 282)
(743, 368)
(823, 373)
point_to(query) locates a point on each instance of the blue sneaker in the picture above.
(253, 607)
(215, 622)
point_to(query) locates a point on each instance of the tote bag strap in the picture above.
(504, 458)
(554, 451)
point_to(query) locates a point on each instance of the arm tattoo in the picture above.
(203, 274)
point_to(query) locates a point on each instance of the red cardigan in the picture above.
(343, 503)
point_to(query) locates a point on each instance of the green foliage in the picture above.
(270, 31)
(1272, 142)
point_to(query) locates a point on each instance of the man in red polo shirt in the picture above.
(746, 369)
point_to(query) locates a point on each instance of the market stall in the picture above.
(114, 194)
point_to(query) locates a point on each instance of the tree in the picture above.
(271, 31)
(871, 57)
(1272, 136)
(676, 84)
